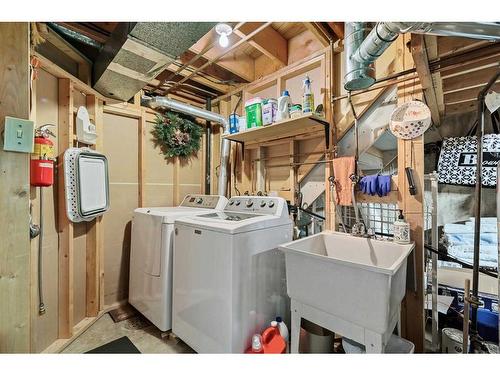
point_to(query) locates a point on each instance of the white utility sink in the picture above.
(357, 282)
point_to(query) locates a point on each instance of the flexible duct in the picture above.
(75, 35)
(384, 33)
(164, 102)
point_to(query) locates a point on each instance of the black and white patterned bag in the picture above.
(457, 160)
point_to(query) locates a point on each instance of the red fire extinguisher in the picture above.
(42, 159)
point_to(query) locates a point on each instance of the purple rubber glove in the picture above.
(368, 184)
(383, 185)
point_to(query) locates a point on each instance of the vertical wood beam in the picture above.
(15, 321)
(141, 167)
(419, 53)
(176, 190)
(94, 238)
(65, 227)
(411, 154)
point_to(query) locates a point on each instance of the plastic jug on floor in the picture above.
(272, 341)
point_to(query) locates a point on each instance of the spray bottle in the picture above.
(307, 97)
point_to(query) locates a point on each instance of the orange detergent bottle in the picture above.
(272, 341)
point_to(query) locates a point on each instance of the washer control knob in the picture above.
(231, 203)
(249, 203)
(271, 204)
(262, 203)
(237, 203)
(199, 200)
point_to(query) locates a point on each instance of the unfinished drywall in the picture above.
(45, 327)
(120, 145)
(158, 174)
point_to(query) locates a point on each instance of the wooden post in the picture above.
(141, 169)
(14, 194)
(411, 154)
(94, 228)
(65, 227)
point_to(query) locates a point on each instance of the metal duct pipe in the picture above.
(384, 33)
(358, 74)
(164, 102)
(74, 35)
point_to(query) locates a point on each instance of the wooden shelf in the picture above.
(305, 124)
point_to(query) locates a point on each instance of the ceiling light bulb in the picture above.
(224, 30)
(223, 40)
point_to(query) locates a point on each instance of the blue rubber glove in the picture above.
(368, 184)
(383, 185)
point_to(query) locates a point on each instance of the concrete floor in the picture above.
(145, 336)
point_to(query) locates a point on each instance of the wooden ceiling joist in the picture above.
(338, 29)
(237, 62)
(268, 41)
(320, 32)
(419, 53)
(214, 70)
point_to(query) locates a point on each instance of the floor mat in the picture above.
(123, 313)
(123, 345)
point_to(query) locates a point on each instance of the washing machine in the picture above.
(229, 276)
(150, 279)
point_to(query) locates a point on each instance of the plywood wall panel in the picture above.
(117, 226)
(121, 148)
(294, 86)
(157, 169)
(190, 170)
(158, 195)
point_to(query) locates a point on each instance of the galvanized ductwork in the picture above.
(166, 103)
(358, 73)
(137, 52)
(359, 55)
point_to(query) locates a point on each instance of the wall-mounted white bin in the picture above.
(86, 184)
(85, 130)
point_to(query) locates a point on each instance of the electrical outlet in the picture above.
(19, 135)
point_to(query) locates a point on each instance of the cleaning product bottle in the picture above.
(401, 230)
(256, 347)
(307, 97)
(283, 330)
(272, 341)
(283, 106)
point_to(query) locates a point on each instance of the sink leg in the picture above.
(295, 330)
(373, 342)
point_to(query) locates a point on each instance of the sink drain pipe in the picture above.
(167, 103)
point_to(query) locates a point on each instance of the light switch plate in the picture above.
(19, 135)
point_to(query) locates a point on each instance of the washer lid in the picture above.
(234, 222)
(168, 215)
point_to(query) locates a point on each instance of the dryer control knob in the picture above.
(231, 203)
(237, 203)
(271, 204)
(262, 203)
(199, 200)
(249, 203)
